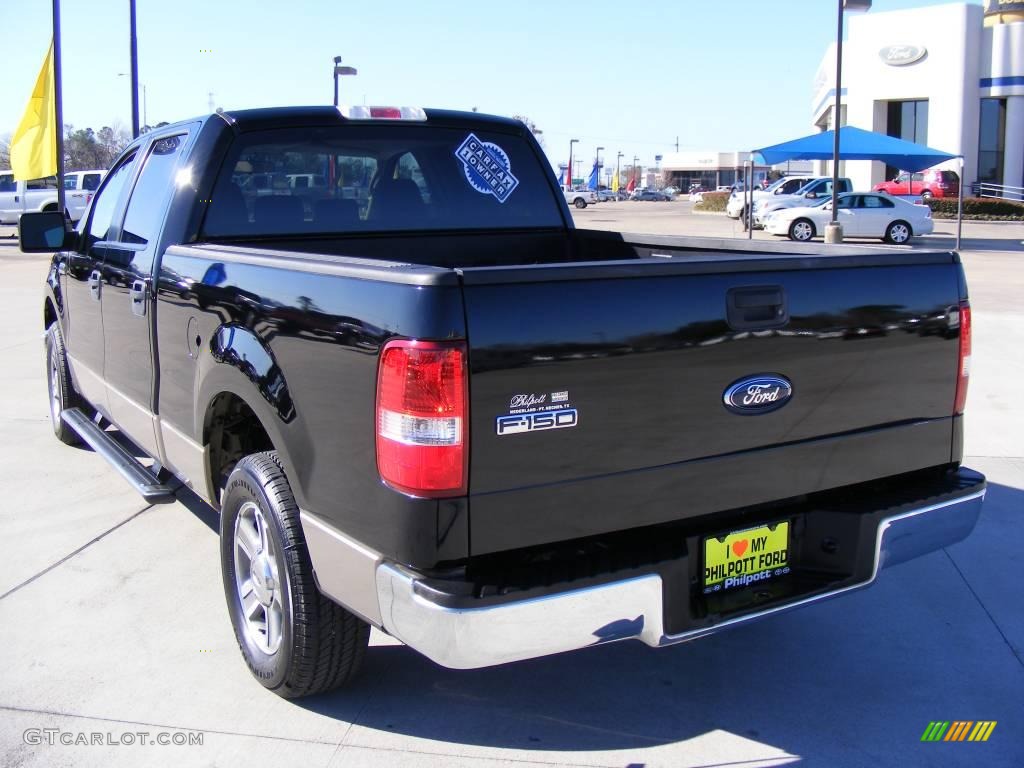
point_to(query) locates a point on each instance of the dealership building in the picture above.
(947, 76)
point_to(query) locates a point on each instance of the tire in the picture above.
(926, 195)
(802, 230)
(314, 645)
(579, 202)
(898, 233)
(58, 381)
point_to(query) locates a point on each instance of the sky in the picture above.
(633, 77)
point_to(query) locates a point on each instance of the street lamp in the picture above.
(636, 180)
(338, 70)
(134, 101)
(568, 172)
(618, 179)
(834, 230)
(597, 165)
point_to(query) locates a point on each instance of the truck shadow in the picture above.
(877, 662)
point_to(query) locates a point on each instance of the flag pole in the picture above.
(58, 109)
(134, 69)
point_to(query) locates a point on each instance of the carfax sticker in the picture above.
(488, 169)
(532, 412)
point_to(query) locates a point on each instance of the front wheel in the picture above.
(295, 641)
(58, 379)
(801, 230)
(926, 195)
(580, 202)
(898, 233)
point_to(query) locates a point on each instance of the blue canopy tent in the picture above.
(858, 144)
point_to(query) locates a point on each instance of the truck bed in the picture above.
(635, 329)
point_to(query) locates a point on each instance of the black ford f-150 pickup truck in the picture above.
(422, 400)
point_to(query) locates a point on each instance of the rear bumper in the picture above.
(633, 608)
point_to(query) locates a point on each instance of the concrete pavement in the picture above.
(113, 621)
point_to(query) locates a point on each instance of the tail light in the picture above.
(422, 413)
(964, 362)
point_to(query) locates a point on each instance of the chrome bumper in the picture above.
(624, 610)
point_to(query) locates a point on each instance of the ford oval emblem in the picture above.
(902, 55)
(758, 394)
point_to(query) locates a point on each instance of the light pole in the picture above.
(597, 165)
(834, 230)
(636, 179)
(568, 181)
(618, 179)
(135, 103)
(339, 70)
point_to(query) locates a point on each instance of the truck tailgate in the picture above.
(636, 358)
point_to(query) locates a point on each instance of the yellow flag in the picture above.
(34, 144)
(615, 183)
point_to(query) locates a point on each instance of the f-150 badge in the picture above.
(531, 412)
(758, 394)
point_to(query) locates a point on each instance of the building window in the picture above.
(907, 120)
(991, 141)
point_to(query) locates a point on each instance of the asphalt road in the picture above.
(112, 619)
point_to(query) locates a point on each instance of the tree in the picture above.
(85, 149)
(5, 151)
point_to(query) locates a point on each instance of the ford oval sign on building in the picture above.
(758, 394)
(902, 55)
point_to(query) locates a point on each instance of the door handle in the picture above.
(95, 281)
(139, 295)
(62, 268)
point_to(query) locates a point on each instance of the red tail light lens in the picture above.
(964, 363)
(422, 412)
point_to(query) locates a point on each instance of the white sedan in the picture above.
(861, 214)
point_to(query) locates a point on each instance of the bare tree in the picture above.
(85, 149)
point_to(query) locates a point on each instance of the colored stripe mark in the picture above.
(993, 82)
(935, 730)
(959, 730)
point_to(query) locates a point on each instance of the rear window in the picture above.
(366, 178)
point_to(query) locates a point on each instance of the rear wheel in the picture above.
(898, 233)
(579, 202)
(926, 195)
(58, 380)
(295, 641)
(801, 230)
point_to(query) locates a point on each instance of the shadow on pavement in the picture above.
(883, 662)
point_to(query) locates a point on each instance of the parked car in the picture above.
(930, 183)
(650, 194)
(607, 195)
(486, 432)
(809, 194)
(787, 185)
(860, 214)
(580, 198)
(79, 188)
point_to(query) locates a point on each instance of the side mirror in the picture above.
(811, 195)
(45, 232)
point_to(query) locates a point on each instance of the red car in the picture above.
(926, 184)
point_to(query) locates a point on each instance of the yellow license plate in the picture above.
(746, 557)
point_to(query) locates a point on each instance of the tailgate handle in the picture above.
(755, 307)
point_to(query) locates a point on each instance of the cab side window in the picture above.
(152, 190)
(104, 205)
